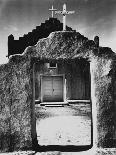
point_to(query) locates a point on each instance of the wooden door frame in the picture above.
(41, 84)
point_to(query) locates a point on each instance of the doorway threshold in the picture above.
(78, 101)
(53, 104)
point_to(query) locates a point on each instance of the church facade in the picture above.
(59, 81)
(62, 66)
(55, 80)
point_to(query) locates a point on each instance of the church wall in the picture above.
(78, 87)
(77, 80)
(65, 68)
(80, 83)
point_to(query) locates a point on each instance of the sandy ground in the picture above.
(105, 151)
(67, 125)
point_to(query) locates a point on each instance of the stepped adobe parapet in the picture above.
(30, 39)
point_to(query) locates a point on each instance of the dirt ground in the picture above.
(65, 125)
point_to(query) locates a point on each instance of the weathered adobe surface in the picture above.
(15, 96)
(16, 87)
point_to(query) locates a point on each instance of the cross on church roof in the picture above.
(52, 10)
(64, 13)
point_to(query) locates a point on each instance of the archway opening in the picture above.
(64, 125)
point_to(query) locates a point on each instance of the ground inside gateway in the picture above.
(64, 125)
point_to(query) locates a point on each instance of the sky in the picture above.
(91, 18)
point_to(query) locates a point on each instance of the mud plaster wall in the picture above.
(16, 89)
(103, 102)
(15, 102)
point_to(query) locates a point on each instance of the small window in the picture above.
(52, 65)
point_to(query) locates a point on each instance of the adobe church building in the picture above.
(60, 67)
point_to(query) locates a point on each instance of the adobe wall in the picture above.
(103, 102)
(15, 104)
(16, 93)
